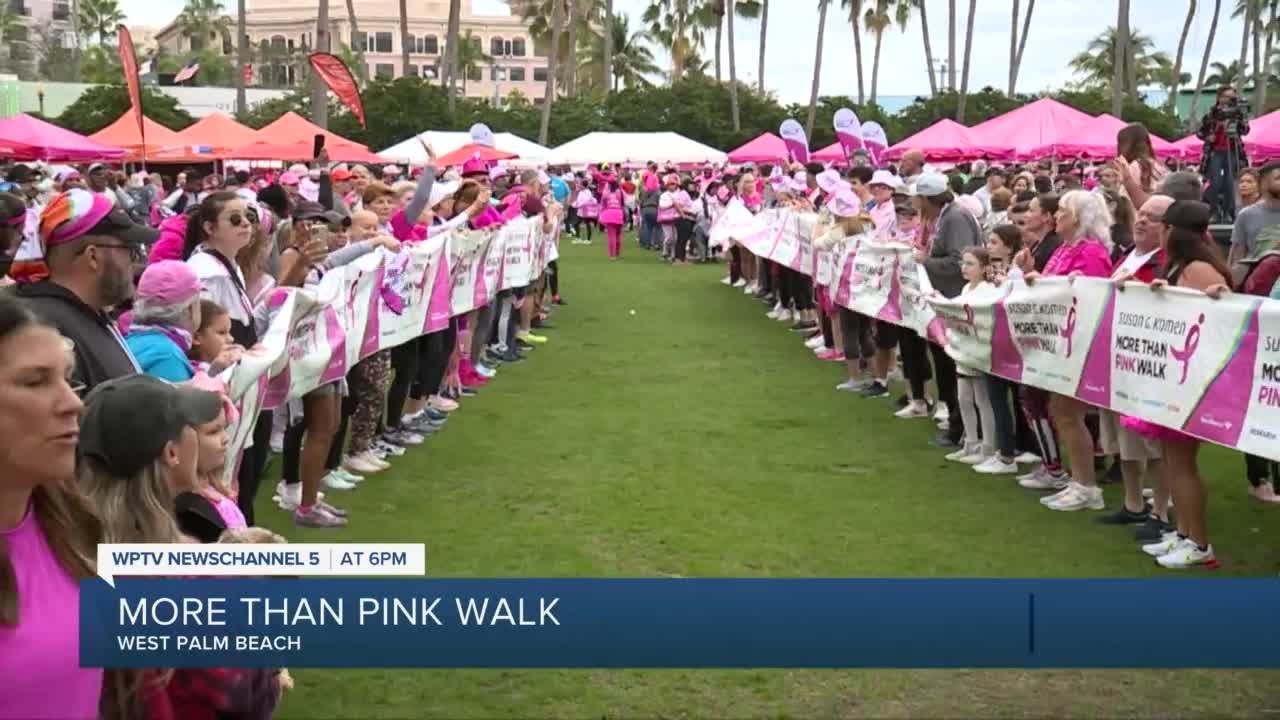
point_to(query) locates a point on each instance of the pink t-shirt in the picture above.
(40, 673)
(1089, 257)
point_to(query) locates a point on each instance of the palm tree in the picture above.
(583, 29)
(734, 112)
(571, 68)
(319, 98)
(1015, 57)
(405, 42)
(968, 47)
(1245, 9)
(1227, 74)
(358, 40)
(242, 58)
(102, 17)
(1204, 61)
(632, 58)
(1177, 60)
(855, 19)
(10, 24)
(1122, 58)
(764, 34)
(951, 44)
(202, 21)
(674, 24)
(877, 20)
(451, 55)
(550, 89)
(471, 58)
(921, 5)
(606, 78)
(1097, 66)
(817, 67)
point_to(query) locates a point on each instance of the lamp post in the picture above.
(499, 73)
(40, 97)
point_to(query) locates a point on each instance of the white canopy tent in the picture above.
(443, 141)
(634, 148)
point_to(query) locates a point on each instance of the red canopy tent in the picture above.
(159, 139)
(1045, 123)
(23, 137)
(303, 150)
(219, 133)
(292, 127)
(466, 152)
(949, 141)
(766, 148)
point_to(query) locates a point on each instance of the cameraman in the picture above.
(1223, 129)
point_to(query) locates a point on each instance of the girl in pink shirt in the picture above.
(611, 215)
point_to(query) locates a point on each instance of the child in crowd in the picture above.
(209, 508)
(975, 402)
(212, 347)
(588, 209)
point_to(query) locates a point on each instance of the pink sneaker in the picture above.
(831, 356)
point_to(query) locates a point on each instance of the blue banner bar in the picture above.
(679, 623)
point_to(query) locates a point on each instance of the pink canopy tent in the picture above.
(1045, 123)
(1096, 140)
(1261, 144)
(949, 141)
(766, 148)
(23, 137)
(832, 153)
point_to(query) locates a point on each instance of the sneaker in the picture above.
(747, 289)
(774, 312)
(485, 371)
(468, 392)
(913, 409)
(511, 356)
(1188, 554)
(1027, 458)
(382, 447)
(525, 345)
(288, 496)
(317, 517)
(421, 426)
(853, 385)
(1124, 516)
(959, 455)
(944, 441)
(404, 438)
(814, 342)
(1167, 543)
(977, 457)
(1041, 479)
(443, 404)
(742, 282)
(943, 425)
(803, 326)
(876, 389)
(366, 463)
(333, 482)
(1152, 530)
(831, 356)
(323, 504)
(531, 338)
(347, 475)
(726, 280)
(1077, 497)
(784, 316)
(994, 465)
(940, 413)
(1264, 493)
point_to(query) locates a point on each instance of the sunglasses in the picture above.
(236, 219)
(136, 253)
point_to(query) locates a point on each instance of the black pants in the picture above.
(404, 364)
(945, 378)
(435, 361)
(855, 332)
(553, 278)
(684, 233)
(915, 361)
(801, 288)
(253, 463)
(828, 333)
(735, 263)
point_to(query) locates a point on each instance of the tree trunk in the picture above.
(951, 44)
(1261, 107)
(1238, 81)
(404, 38)
(719, 33)
(75, 33)
(928, 48)
(1130, 63)
(1119, 57)
(1177, 60)
(1022, 43)
(875, 67)
(968, 51)
(733, 74)
(361, 71)
(1013, 48)
(608, 46)
(451, 53)
(242, 59)
(764, 32)
(1259, 77)
(319, 97)
(1204, 62)
(571, 72)
(550, 90)
(857, 58)
(817, 67)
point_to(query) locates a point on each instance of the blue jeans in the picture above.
(1222, 191)
(650, 235)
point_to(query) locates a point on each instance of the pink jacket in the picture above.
(1089, 257)
(173, 232)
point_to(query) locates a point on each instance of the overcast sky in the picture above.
(1059, 29)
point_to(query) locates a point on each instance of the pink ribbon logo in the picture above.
(1189, 345)
(1069, 328)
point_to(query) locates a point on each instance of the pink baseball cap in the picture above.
(288, 178)
(844, 204)
(475, 165)
(169, 282)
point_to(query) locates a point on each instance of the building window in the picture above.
(411, 42)
(475, 73)
(61, 11)
(359, 43)
(382, 42)
(430, 45)
(227, 48)
(540, 74)
(517, 47)
(515, 74)
(496, 46)
(290, 43)
(278, 43)
(385, 70)
(413, 71)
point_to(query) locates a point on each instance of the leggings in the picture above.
(668, 240)
(482, 331)
(253, 463)
(915, 362)
(435, 361)
(735, 264)
(975, 408)
(405, 359)
(1035, 405)
(828, 333)
(945, 378)
(368, 382)
(854, 331)
(684, 233)
(801, 289)
(615, 240)
(1002, 416)
(553, 273)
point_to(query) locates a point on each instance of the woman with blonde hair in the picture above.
(48, 531)
(1084, 225)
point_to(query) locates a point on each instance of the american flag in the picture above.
(187, 72)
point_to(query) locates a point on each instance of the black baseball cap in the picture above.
(127, 421)
(19, 174)
(307, 210)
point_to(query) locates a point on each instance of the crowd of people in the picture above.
(977, 225)
(126, 303)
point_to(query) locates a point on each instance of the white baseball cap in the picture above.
(931, 184)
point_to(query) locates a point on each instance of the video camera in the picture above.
(1235, 111)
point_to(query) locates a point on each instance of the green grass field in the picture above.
(698, 438)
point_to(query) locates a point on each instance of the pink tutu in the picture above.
(1153, 431)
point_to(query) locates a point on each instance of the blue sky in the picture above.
(1059, 29)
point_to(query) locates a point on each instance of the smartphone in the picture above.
(317, 145)
(320, 233)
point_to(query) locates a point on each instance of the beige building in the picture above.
(283, 31)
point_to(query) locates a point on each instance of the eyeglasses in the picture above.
(135, 251)
(236, 219)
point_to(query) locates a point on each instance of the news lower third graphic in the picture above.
(361, 620)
